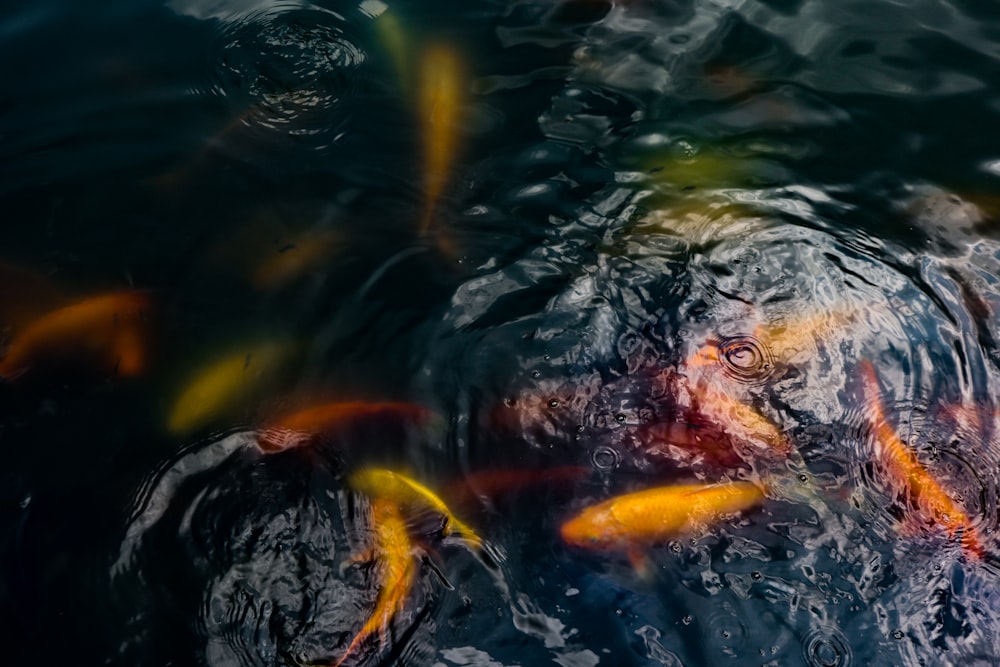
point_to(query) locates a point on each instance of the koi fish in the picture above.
(491, 484)
(407, 492)
(299, 427)
(393, 551)
(696, 219)
(905, 468)
(298, 257)
(635, 520)
(741, 421)
(108, 332)
(223, 385)
(25, 295)
(393, 38)
(781, 340)
(441, 94)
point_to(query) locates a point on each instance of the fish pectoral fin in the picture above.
(642, 565)
(456, 528)
(438, 572)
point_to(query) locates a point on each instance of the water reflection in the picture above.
(511, 334)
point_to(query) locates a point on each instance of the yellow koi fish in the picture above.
(107, 333)
(393, 38)
(305, 253)
(400, 489)
(635, 520)
(783, 340)
(393, 551)
(905, 468)
(441, 93)
(225, 384)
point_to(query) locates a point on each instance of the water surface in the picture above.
(636, 202)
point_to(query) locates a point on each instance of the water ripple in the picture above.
(826, 647)
(291, 69)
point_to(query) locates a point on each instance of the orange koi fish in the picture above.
(299, 427)
(25, 295)
(635, 520)
(905, 468)
(397, 568)
(409, 493)
(739, 420)
(441, 95)
(108, 333)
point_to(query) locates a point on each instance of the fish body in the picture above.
(394, 41)
(740, 421)
(643, 518)
(25, 295)
(409, 493)
(109, 333)
(396, 567)
(440, 99)
(903, 466)
(301, 426)
(780, 342)
(303, 254)
(223, 385)
(489, 485)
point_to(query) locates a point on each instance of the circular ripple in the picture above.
(605, 458)
(826, 647)
(290, 68)
(727, 633)
(745, 359)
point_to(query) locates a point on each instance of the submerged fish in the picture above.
(301, 426)
(25, 295)
(636, 520)
(304, 253)
(411, 494)
(777, 342)
(441, 96)
(109, 333)
(394, 41)
(740, 421)
(226, 383)
(396, 566)
(905, 469)
(489, 485)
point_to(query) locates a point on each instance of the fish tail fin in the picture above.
(972, 546)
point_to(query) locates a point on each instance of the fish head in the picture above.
(593, 528)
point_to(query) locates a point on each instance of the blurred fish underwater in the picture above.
(500, 333)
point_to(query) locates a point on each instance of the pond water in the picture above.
(299, 301)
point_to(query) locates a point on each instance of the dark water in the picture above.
(800, 187)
